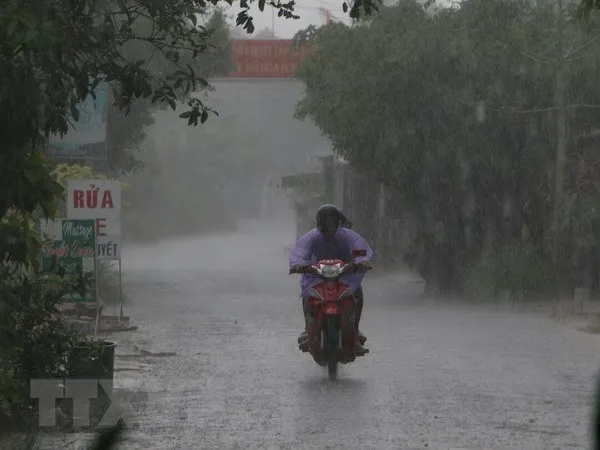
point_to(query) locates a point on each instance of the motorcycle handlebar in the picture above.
(347, 269)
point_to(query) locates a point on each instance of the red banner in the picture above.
(265, 58)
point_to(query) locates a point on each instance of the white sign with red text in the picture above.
(99, 200)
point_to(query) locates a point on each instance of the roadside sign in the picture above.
(87, 138)
(99, 200)
(73, 244)
(271, 58)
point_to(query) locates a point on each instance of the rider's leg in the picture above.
(304, 307)
(359, 304)
(358, 294)
(304, 335)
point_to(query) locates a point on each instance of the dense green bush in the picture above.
(515, 270)
(453, 111)
(35, 341)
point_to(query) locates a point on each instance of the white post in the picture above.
(338, 186)
(120, 295)
(381, 206)
(97, 319)
(96, 286)
(381, 202)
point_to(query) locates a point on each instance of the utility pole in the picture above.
(561, 128)
(326, 14)
(273, 22)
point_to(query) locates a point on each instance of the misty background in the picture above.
(205, 178)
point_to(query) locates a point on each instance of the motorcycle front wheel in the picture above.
(332, 337)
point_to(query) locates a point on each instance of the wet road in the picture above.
(437, 377)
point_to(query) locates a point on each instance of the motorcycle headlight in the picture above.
(330, 271)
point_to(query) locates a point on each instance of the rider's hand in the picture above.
(363, 267)
(299, 268)
(350, 268)
(357, 267)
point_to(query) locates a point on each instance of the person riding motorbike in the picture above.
(331, 240)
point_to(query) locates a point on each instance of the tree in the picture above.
(455, 111)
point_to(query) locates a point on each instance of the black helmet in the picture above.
(329, 219)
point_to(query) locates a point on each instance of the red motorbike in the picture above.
(331, 310)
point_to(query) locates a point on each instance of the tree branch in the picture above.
(536, 58)
(553, 108)
(578, 58)
(583, 47)
(583, 105)
(512, 110)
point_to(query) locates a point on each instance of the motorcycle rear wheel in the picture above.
(331, 346)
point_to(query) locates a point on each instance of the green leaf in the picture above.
(31, 177)
(12, 26)
(31, 35)
(74, 112)
(147, 90)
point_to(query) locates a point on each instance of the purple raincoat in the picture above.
(312, 247)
